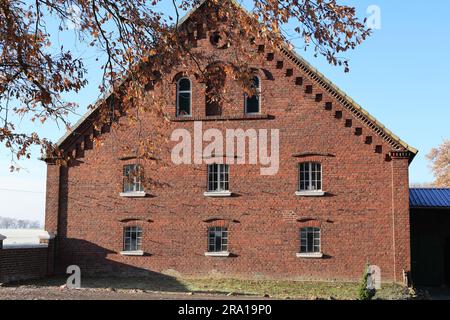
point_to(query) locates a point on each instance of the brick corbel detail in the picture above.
(400, 155)
(305, 223)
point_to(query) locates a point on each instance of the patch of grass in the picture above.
(290, 289)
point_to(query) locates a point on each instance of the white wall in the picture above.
(21, 236)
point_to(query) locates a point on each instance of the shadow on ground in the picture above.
(99, 272)
(434, 293)
(148, 283)
(152, 283)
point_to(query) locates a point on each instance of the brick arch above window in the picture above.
(313, 155)
(313, 222)
(134, 219)
(143, 224)
(183, 74)
(219, 222)
(309, 222)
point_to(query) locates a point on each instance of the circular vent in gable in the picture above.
(219, 40)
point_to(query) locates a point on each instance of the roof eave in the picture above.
(429, 208)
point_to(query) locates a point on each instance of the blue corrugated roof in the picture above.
(429, 197)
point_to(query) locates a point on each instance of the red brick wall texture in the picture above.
(26, 263)
(363, 216)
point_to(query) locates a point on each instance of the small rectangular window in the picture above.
(132, 178)
(217, 239)
(310, 240)
(252, 102)
(310, 176)
(132, 238)
(218, 177)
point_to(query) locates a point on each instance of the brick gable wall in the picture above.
(363, 216)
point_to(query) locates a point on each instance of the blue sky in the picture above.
(401, 75)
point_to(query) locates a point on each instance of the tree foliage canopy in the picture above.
(134, 35)
(12, 223)
(440, 164)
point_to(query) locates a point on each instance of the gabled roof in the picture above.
(360, 113)
(429, 197)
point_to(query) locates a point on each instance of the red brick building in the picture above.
(339, 200)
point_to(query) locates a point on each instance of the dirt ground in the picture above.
(54, 293)
(160, 288)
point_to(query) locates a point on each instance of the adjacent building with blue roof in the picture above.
(430, 236)
(429, 197)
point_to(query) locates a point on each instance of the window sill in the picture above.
(132, 253)
(315, 255)
(217, 254)
(134, 194)
(217, 194)
(318, 193)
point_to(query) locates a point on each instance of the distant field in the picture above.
(21, 236)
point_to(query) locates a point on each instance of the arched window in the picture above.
(252, 103)
(184, 97)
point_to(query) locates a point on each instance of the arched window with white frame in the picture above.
(184, 97)
(253, 102)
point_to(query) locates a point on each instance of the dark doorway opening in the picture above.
(447, 262)
(430, 247)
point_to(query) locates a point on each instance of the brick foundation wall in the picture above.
(26, 263)
(363, 216)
